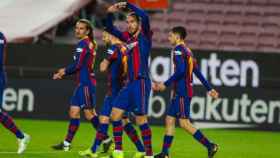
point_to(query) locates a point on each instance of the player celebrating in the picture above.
(134, 97)
(84, 94)
(115, 64)
(5, 119)
(184, 67)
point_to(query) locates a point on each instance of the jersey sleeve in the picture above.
(79, 59)
(180, 68)
(113, 29)
(200, 76)
(111, 54)
(145, 21)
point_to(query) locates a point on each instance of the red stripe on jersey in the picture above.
(136, 60)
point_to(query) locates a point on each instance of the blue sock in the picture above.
(132, 134)
(167, 141)
(95, 122)
(100, 136)
(202, 139)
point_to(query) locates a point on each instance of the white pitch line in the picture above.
(55, 152)
(30, 152)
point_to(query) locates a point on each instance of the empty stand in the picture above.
(245, 25)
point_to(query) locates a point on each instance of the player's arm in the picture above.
(145, 21)
(111, 55)
(179, 71)
(79, 58)
(104, 65)
(212, 92)
(113, 29)
(200, 76)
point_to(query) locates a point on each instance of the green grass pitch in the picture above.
(233, 143)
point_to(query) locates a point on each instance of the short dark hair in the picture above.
(134, 15)
(180, 30)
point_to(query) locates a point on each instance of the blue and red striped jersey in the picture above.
(116, 72)
(139, 47)
(83, 65)
(184, 68)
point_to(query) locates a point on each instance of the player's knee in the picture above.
(88, 114)
(116, 114)
(104, 119)
(185, 124)
(74, 114)
(140, 120)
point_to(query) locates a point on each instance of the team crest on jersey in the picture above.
(2, 41)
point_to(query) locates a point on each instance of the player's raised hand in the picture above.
(121, 5)
(213, 93)
(113, 8)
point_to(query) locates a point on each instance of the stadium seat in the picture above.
(220, 1)
(238, 1)
(273, 2)
(257, 2)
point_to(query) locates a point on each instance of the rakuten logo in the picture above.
(229, 72)
(236, 110)
(18, 100)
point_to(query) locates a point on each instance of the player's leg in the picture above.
(89, 100)
(196, 133)
(146, 133)
(133, 136)
(8, 123)
(120, 104)
(101, 134)
(170, 122)
(74, 123)
(140, 96)
(91, 115)
(117, 127)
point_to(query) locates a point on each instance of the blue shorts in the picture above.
(107, 107)
(84, 97)
(179, 107)
(134, 97)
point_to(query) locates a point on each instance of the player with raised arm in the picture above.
(134, 97)
(184, 68)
